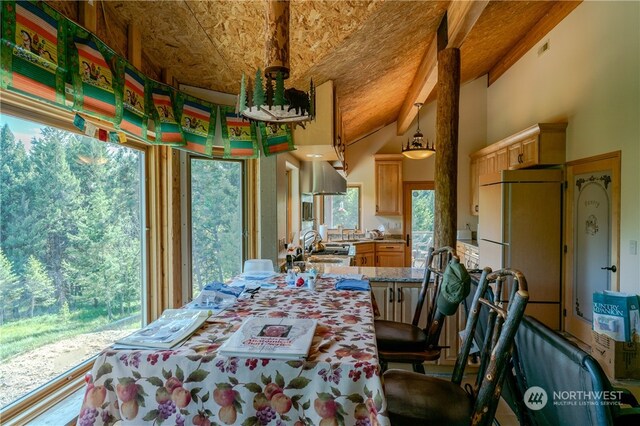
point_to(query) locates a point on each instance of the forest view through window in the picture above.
(216, 221)
(71, 251)
(343, 210)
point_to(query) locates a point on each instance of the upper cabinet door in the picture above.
(388, 172)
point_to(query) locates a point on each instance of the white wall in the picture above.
(472, 136)
(590, 78)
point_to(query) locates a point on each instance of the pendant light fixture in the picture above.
(418, 148)
(276, 105)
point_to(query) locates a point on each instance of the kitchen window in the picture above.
(217, 218)
(72, 253)
(343, 210)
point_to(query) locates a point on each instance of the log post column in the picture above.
(446, 173)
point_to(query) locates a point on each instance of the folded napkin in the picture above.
(351, 284)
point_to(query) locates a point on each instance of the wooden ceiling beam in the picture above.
(553, 17)
(423, 83)
(461, 17)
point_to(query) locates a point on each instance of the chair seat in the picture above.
(416, 399)
(399, 337)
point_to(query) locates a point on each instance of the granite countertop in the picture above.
(367, 240)
(412, 275)
(473, 243)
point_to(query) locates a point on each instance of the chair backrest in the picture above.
(434, 268)
(536, 346)
(495, 352)
(510, 391)
(258, 265)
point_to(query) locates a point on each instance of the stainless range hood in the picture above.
(320, 178)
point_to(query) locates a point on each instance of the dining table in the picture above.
(338, 383)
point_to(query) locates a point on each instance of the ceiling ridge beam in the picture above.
(553, 17)
(461, 17)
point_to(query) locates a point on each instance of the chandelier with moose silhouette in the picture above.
(266, 98)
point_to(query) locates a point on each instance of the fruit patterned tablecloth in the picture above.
(338, 384)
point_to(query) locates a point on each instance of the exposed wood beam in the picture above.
(446, 170)
(553, 17)
(134, 45)
(461, 17)
(89, 15)
(423, 83)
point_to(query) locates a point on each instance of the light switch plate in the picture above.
(633, 247)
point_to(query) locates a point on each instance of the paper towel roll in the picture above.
(323, 232)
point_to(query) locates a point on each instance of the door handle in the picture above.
(399, 296)
(611, 268)
(407, 240)
(390, 295)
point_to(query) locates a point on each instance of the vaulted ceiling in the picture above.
(373, 50)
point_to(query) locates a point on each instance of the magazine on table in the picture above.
(172, 328)
(282, 338)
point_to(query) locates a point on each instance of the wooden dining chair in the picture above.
(418, 399)
(409, 343)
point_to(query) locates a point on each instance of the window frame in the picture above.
(43, 398)
(185, 208)
(358, 186)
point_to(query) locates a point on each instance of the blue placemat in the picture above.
(351, 284)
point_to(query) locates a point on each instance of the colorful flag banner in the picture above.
(95, 76)
(134, 112)
(164, 113)
(33, 53)
(238, 135)
(198, 124)
(276, 138)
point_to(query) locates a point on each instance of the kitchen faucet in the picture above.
(304, 242)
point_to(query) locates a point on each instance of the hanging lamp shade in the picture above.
(265, 102)
(418, 148)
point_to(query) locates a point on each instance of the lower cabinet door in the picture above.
(383, 292)
(407, 295)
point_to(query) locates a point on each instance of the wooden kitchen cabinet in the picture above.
(390, 255)
(388, 177)
(523, 154)
(365, 254)
(540, 145)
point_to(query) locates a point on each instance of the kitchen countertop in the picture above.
(367, 240)
(473, 243)
(377, 274)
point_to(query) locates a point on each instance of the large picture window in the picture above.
(72, 251)
(343, 210)
(216, 221)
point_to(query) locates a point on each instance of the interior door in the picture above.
(592, 235)
(418, 218)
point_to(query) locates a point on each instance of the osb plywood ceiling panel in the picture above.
(370, 48)
(498, 29)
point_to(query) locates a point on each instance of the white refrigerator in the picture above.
(520, 227)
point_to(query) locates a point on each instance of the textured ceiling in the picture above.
(370, 49)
